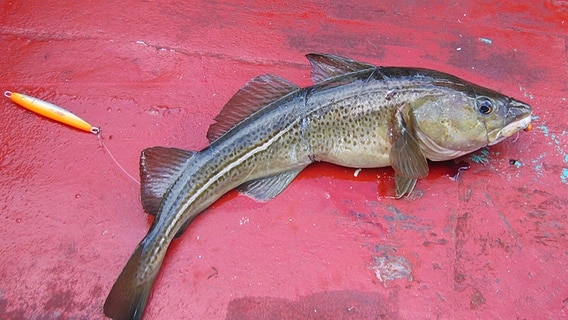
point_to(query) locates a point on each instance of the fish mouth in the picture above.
(518, 117)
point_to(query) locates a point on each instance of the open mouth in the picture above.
(512, 128)
(519, 111)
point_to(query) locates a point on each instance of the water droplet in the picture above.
(78, 196)
(18, 220)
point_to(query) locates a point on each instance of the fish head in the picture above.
(461, 119)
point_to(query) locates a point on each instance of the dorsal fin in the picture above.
(253, 96)
(326, 66)
(159, 168)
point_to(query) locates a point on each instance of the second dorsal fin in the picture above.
(253, 96)
(326, 66)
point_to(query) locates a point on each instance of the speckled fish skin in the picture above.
(356, 115)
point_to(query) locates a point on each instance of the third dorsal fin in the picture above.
(253, 96)
(326, 66)
(159, 168)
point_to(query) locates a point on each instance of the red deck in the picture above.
(491, 245)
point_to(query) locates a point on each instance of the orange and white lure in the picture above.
(51, 111)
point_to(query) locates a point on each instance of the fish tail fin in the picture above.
(128, 296)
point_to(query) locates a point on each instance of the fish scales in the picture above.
(255, 150)
(308, 128)
(355, 115)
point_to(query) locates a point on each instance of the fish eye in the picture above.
(484, 105)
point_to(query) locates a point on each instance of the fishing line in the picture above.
(56, 113)
(102, 144)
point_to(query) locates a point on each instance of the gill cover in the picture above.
(452, 123)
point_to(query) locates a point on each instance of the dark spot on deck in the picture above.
(327, 305)
(320, 40)
(477, 300)
(492, 63)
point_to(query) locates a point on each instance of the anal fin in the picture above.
(267, 188)
(159, 168)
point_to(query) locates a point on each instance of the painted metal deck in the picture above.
(491, 244)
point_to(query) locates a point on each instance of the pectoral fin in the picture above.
(406, 158)
(267, 188)
(403, 185)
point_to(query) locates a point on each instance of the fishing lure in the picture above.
(61, 115)
(51, 111)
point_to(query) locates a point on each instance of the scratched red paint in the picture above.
(490, 245)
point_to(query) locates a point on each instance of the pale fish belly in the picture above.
(352, 132)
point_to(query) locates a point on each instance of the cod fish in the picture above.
(355, 115)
